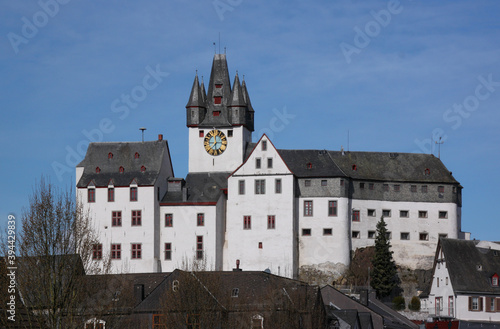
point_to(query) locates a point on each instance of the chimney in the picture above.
(138, 293)
(184, 194)
(160, 137)
(237, 269)
(363, 297)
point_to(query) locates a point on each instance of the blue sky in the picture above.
(390, 74)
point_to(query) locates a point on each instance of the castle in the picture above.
(257, 205)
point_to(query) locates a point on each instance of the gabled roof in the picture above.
(150, 155)
(201, 188)
(470, 267)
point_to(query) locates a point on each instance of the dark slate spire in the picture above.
(249, 117)
(203, 92)
(219, 92)
(196, 106)
(237, 97)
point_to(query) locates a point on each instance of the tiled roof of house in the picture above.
(201, 187)
(141, 161)
(471, 267)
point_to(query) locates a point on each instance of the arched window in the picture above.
(136, 156)
(354, 167)
(257, 321)
(175, 286)
(97, 170)
(143, 169)
(427, 171)
(110, 155)
(309, 165)
(122, 170)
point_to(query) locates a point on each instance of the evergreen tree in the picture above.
(384, 275)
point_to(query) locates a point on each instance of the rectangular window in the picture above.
(388, 235)
(257, 163)
(371, 186)
(405, 236)
(490, 304)
(422, 214)
(201, 133)
(361, 186)
(355, 234)
(355, 216)
(136, 251)
(341, 182)
(443, 214)
(199, 247)
(111, 194)
(386, 187)
(168, 251)
(441, 189)
(217, 99)
(133, 194)
(91, 195)
(386, 213)
(324, 182)
(216, 113)
(306, 232)
(371, 234)
(397, 188)
(277, 185)
(423, 189)
(260, 186)
(169, 220)
(413, 188)
(200, 219)
(97, 251)
(423, 237)
(260, 245)
(264, 145)
(450, 306)
(404, 213)
(371, 213)
(307, 182)
(230, 133)
(308, 208)
(247, 222)
(136, 218)
(116, 251)
(327, 231)
(241, 187)
(116, 218)
(269, 162)
(271, 222)
(332, 208)
(475, 303)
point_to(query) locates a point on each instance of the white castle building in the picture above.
(282, 210)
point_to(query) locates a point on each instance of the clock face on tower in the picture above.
(215, 142)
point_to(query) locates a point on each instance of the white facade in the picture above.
(261, 220)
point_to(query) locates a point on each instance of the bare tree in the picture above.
(55, 246)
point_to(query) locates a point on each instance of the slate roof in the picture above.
(150, 153)
(255, 290)
(462, 258)
(201, 187)
(375, 166)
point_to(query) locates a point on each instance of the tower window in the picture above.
(247, 222)
(306, 231)
(260, 245)
(168, 251)
(201, 133)
(199, 247)
(271, 222)
(216, 113)
(218, 85)
(91, 195)
(327, 231)
(169, 220)
(355, 216)
(230, 133)
(218, 100)
(200, 219)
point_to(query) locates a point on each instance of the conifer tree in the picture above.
(384, 275)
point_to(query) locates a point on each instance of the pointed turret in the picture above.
(196, 106)
(250, 111)
(203, 92)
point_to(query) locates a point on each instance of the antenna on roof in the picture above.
(439, 146)
(142, 129)
(219, 42)
(215, 49)
(347, 140)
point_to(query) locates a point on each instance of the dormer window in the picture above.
(479, 267)
(110, 155)
(121, 170)
(217, 99)
(143, 169)
(136, 156)
(309, 165)
(235, 292)
(97, 170)
(354, 167)
(494, 280)
(427, 171)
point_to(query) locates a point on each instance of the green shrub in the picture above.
(414, 304)
(398, 303)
